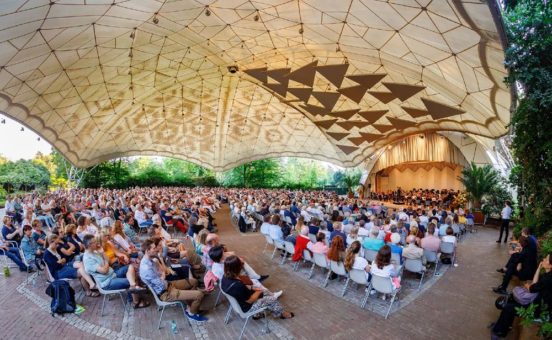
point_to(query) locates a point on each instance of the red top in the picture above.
(300, 245)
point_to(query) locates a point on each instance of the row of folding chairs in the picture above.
(382, 285)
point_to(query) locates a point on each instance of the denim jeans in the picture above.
(119, 282)
(14, 255)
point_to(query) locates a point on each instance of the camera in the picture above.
(232, 69)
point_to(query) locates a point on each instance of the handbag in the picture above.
(245, 280)
(523, 296)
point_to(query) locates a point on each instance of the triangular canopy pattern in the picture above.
(225, 82)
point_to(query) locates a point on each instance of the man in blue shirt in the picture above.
(178, 290)
(337, 232)
(96, 264)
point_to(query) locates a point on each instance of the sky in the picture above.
(16, 144)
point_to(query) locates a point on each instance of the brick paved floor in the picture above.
(457, 306)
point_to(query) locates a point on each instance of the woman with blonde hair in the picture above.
(353, 235)
(120, 239)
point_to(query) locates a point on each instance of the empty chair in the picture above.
(384, 285)
(234, 305)
(370, 255)
(162, 304)
(339, 269)
(360, 277)
(415, 266)
(320, 261)
(450, 249)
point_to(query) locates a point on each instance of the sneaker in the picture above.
(500, 290)
(196, 317)
(373, 292)
(263, 277)
(501, 270)
(278, 294)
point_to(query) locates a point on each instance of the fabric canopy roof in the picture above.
(325, 79)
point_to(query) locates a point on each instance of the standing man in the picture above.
(506, 215)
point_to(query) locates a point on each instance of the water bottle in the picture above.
(174, 329)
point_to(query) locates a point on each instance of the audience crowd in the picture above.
(121, 239)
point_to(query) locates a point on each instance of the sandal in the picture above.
(291, 315)
(141, 304)
(259, 316)
(92, 293)
(136, 289)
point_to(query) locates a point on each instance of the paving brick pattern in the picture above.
(458, 305)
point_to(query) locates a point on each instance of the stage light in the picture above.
(3, 121)
(207, 12)
(421, 136)
(22, 129)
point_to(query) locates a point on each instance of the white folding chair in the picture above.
(339, 269)
(307, 257)
(320, 261)
(162, 304)
(312, 238)
(370, 255)
(268, 241)
(384, 285)
(359, 277)
(289, 250)
(234, 305)
(108, 293)
(278, 245)
(432, 257)
(415, 266)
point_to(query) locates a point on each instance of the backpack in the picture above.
(63, 297)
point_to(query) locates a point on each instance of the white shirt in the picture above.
(140, 216)
(360, 263)
(386, 271)
(363, 232)
(121, 242)
(506, 213)
(265, 228)
(218, 270)
(449, 238)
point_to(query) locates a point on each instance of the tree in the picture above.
(529, 61)
(479, 181)
(23, 174)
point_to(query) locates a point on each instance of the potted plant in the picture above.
(350, 180)
(479, 181)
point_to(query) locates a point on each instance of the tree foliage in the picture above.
(529, 60)
(479, 181)
(23, 175)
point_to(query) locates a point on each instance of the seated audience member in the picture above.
(431, 242)
(522, 263)
(30, 248)
(249, 297)
(276, 232)
(337, 232)
(336, 252)
(362, 230)
(449, 236)
(96, 264)
(218, 255)
(10, 232)
(296, 230)
(320, 246)
(301, 243)
(412, 251)
(354, 261)
(39, 235)
(200, 241)
(372, 242)
(443, 227)
(265, 227)
(141, 217)
(122, 241)
(540, 284)
(415, 231)
(179, 290)
(61, 269)
(70, 237)
(353, 235)
(179, 272)
(382, 265)
(394, 245)
(14, 255)
(128, 228)
(314, 226)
